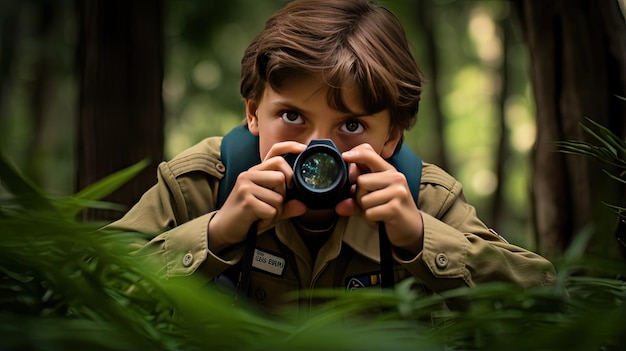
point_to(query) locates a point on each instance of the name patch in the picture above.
(268, 263)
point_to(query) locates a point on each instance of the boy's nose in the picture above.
(318, 134)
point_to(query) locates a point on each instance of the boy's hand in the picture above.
(258, 194)
(382, 194)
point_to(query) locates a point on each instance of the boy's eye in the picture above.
(292, 117)
(353, 127)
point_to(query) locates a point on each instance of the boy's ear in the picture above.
(251, 117)
(390, 145)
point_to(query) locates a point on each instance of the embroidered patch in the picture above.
(268, 263)
(362, 281)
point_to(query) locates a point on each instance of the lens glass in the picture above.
(319, 170)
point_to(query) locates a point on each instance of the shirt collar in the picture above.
(353, 231)
(362, 238)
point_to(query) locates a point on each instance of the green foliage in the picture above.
(608, 149)
(68, 285)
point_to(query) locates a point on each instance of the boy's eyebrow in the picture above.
(290, 106)
(287, 105)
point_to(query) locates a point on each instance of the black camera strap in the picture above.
(243, 282)
(387, 279)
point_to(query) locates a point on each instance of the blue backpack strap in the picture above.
(239, 151)
(409, 164)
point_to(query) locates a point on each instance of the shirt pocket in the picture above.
(270, 291)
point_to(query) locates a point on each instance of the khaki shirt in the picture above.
(459, 250)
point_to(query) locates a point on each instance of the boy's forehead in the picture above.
(306, 89)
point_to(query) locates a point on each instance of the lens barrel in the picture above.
(320, 175)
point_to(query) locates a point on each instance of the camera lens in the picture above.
(320, 175)
(320, 170)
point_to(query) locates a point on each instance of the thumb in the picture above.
(346, 208)
(293, 208)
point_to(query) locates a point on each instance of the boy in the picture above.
(339, 70)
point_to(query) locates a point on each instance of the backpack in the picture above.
(240, 151)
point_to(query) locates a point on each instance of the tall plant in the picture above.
(611, 151)
(66, 284)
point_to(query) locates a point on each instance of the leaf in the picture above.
(619, 179)
(87, 197)
(611, 149)
(26, 193)
(608, 137)
(599, 138)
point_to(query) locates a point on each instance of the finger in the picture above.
(254, 198)
(293, 208)
(376, 181)
(285, 147)
(367, 159)
(278, 165)
(274, 159)
(354, 172)
(257, 194)
(387, 202)
(269, 196)
(274, 180)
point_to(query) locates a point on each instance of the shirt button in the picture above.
(220, 167)
(187, 259)
(260, 294)
(441, 260)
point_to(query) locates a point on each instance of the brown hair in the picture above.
(344, 40)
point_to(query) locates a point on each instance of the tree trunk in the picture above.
(9, 25)
(40, 89)
(424, 12)
(120, 64)
(578, 65)
(497, 205)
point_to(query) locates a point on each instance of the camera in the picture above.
(320, 175)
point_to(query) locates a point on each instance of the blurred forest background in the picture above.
(72, 73)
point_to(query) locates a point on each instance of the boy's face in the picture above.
(300, 112)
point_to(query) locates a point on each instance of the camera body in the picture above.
(320, 175)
